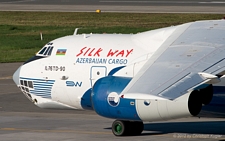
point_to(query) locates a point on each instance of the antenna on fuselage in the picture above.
(75, 31)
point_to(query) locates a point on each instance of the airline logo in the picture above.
(73, 84)
(113, 99)
(94, 52)
(61, 52)
(103, 56)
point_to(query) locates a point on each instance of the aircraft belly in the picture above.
(60, 95)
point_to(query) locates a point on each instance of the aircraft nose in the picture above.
(16, 76)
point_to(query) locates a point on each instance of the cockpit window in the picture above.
(49, 43)
(46, 51)
(50, 51)
(42, 51)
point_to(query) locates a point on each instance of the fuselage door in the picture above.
(96, 73)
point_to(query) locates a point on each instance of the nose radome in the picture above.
(16, 76)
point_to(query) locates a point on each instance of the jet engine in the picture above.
(131, 109)
(198, 98)
(107, 102)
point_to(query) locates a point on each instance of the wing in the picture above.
(192, 56)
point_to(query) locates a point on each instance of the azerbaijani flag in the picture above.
(61, 52)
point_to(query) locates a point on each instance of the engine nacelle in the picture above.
(206, 94)
(198, 98)
(163, 109)
(108, 101)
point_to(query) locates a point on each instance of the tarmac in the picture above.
(21, 120)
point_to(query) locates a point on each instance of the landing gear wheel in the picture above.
(119, 128)
(123, 128)
(138, 128)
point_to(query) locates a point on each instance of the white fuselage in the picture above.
(82, 61)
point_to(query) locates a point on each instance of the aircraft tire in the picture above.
(136, 128)
(139, 126)
(120, 128)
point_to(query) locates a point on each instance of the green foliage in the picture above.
(20, 31)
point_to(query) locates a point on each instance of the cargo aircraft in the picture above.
(155, 75)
